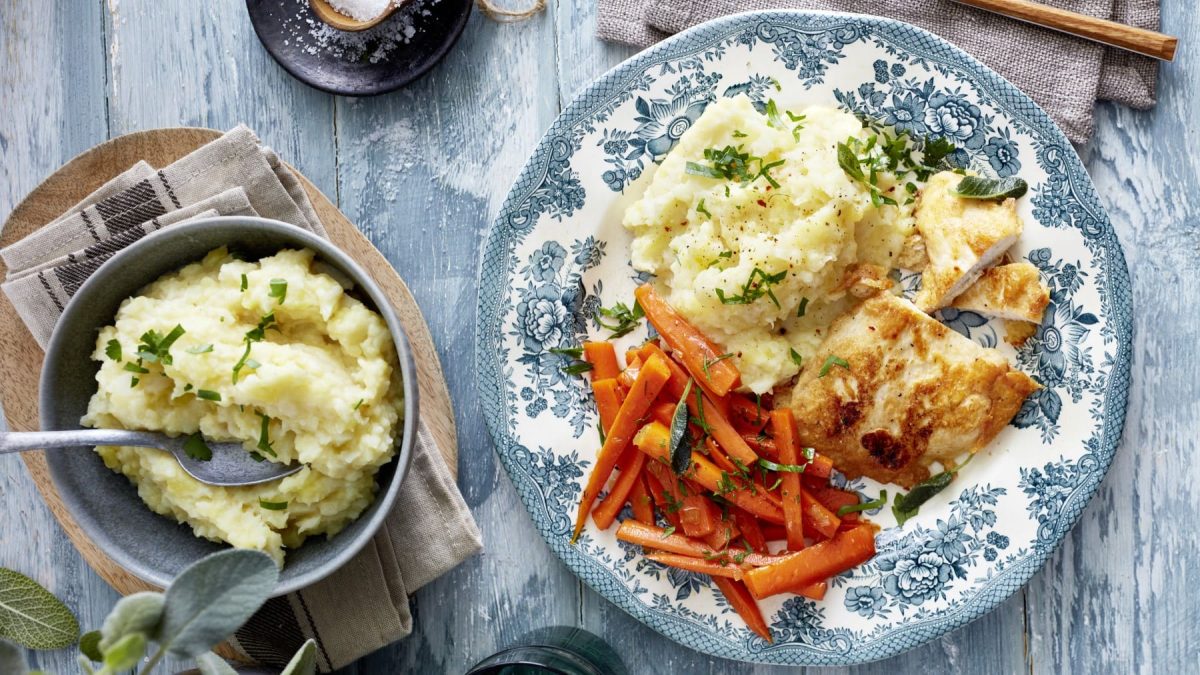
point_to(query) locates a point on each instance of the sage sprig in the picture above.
(30, 616)
(992, 189)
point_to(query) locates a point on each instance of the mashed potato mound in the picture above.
(699, 233)
(324, 375)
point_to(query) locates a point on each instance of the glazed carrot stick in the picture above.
(610, 506)
(652, 536)
(649, 382)
(699, 354)
(640, 500)
(661, 500)
(814, 564)
(816, 517)
(654, 440)
(773, 532)
(603, 358)
(679, 376)
(784, 424)
(724, 532)
(718, 456)
(628, 376)
(698, 515)
(670, 489)
(763, 445)
(744, 604)
(751, 530)
(710, 567)
(663, 411)
(834, 499)
(748, 414)
(715, 400)
(814, 591)
(722, 431)
(608, 401)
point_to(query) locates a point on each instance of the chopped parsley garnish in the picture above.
(785, 468)
(199, 349)
(136, 368)
(272, 506)
(796, 358)
(113, 350)
(188, 387)
(732, 163)
(725, 485)
(774, 119)
(830, 362)
(864, 506)
(156, 348)
(933, 155)
(758, 285)
(712, 362)
(245, 283)
(197, 449)
(133, 381)
(799, 120)
(208, 395)
(854, 156)
(803, 308)
(278, 290)
(256, 334)
(264, 439)
(737, 133)
(357, 404)
(700, 209)
(669, 531)
(624, 319)
(575, 365)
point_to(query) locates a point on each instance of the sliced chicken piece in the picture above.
(914, 392)
(963, 237)
(863, 280)
(1013, 291)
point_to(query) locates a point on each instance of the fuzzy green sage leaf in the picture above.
(681, 447)
(137, 613)
(213, 597)
(209, 663)
(995, 189)
(89, 646)
(31, 616)
(304, 662)
(125, 653)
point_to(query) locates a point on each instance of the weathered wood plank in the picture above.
(52, 107)
(1120, 596)
(423, 171)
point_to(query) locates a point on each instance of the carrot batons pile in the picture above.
(748, 481)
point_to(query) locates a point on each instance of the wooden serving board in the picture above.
(21, 358)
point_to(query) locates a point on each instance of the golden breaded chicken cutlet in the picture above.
(914, 392)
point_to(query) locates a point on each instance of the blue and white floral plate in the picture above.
(557, 252)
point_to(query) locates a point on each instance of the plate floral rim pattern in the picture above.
(927, 580)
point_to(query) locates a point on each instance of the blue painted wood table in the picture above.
(422, 171)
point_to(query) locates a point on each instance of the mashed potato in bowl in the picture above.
(316, 382)
(716, 243)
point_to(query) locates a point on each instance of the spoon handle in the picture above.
(20, 441)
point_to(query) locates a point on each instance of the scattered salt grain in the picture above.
(373, 45)
(361, 10)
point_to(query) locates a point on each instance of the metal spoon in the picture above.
(325, 12)
(230, 465)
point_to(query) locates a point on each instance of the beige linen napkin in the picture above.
(364, 605)
(1063, 74)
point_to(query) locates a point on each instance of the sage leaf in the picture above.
(681, 447)
(212, 598)
(210, 664)
(137, 613)
(907, 505)
(12, 659)
(981, 187)
(125, 653)
(89, 646)
(305, 660)
(31, 616)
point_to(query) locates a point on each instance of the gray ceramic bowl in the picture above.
(106, 504)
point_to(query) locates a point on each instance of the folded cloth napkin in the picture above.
(363, 605)
(1064, 74)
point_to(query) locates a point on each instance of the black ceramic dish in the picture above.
(282, 27)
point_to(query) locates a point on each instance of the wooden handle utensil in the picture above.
(1111, 33)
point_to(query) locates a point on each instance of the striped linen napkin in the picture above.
(1065, 75)
(363, 605)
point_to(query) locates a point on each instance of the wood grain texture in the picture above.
(422, 172)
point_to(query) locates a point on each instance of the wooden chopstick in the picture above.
(1138, 40)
